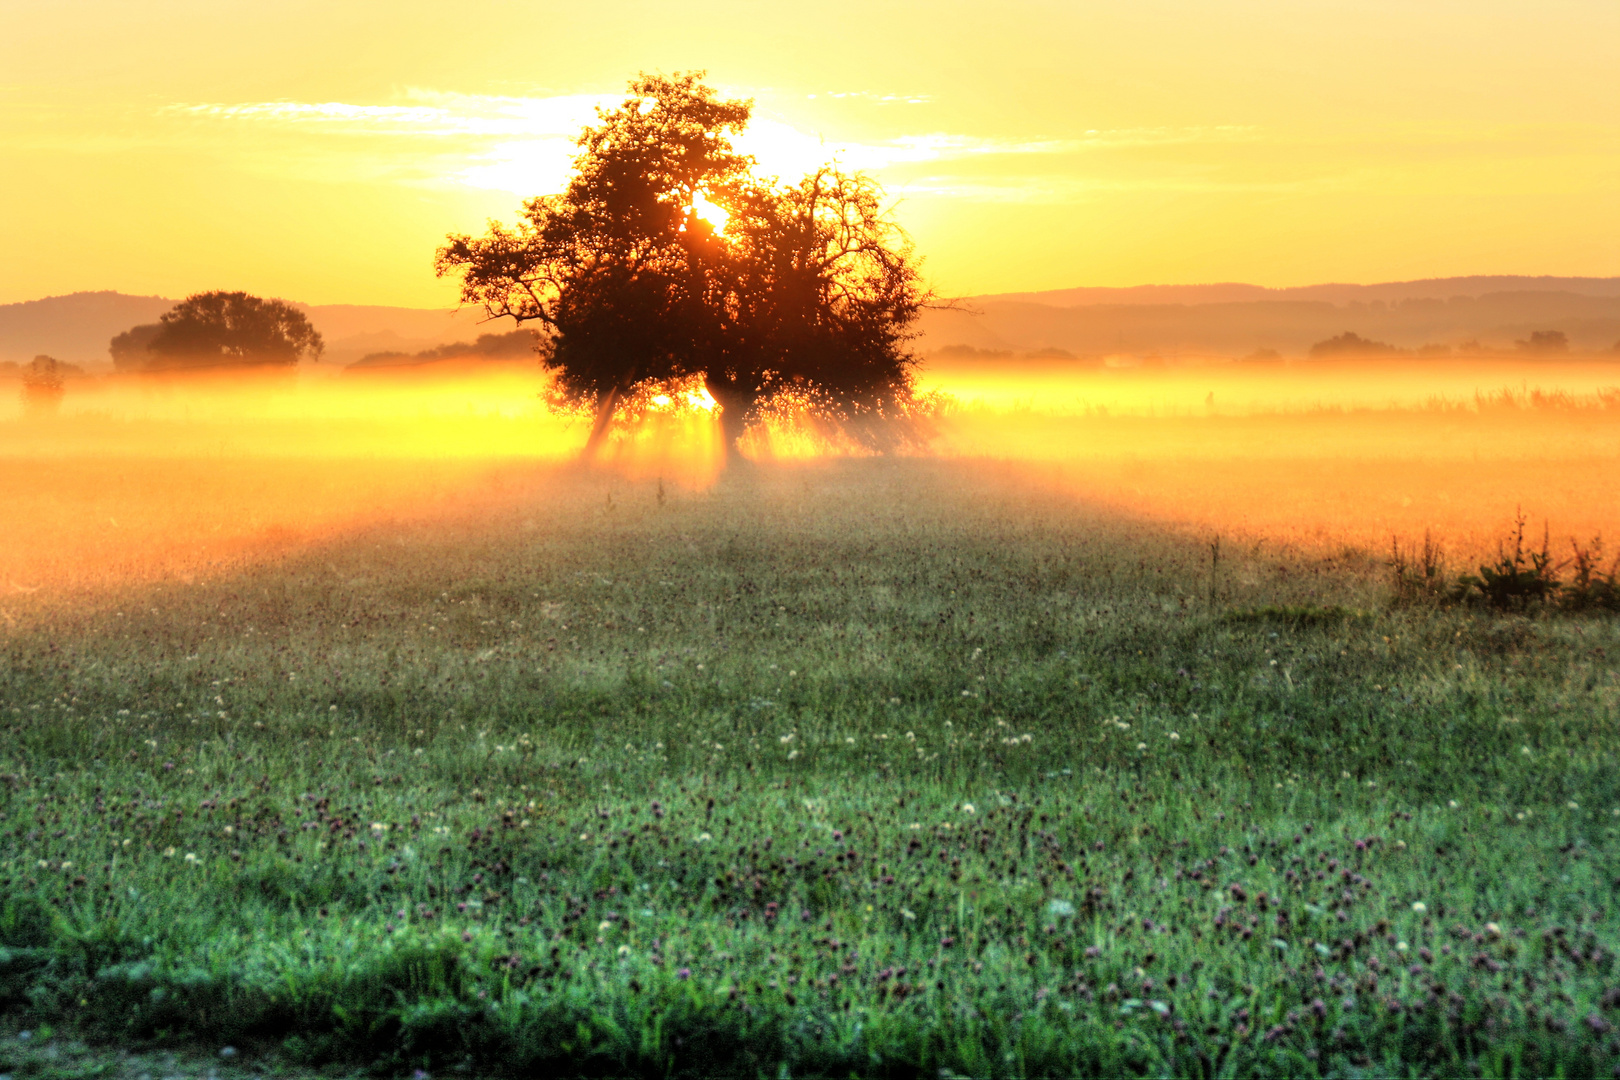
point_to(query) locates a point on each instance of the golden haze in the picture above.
(138, 481)
(320, 151)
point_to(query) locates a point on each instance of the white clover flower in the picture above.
(967, 808)
(1419, 906)
(1175, 737)
(704, 838)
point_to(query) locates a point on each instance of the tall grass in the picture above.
(868, 768)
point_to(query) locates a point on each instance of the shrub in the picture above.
(1591, 589)
(1515, 581)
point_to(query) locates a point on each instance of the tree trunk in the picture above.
(734, 404)
(605, 406)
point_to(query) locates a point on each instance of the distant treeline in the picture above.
(1485, 325)
(516, 345)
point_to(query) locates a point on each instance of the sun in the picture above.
(716, 215)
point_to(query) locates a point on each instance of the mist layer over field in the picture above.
(138, 479)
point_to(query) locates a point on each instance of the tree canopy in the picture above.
(220, 329)
(667, 259)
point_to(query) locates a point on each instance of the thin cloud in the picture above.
(526, 144)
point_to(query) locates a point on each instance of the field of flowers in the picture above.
(861, 768)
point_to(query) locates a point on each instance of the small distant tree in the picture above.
(1545, 343)
(43, 385)
(229, 329)
(1351, 344)
(667, 260)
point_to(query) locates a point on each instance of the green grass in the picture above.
(864, 769)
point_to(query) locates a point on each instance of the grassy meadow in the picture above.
(853, 767)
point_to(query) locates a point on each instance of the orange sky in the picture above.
(321, 150)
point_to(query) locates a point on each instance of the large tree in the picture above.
(224, 329)
(667, 259)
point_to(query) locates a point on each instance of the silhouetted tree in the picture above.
(805, 296)
(229, 329)
(129, 349)
(1351, 344)
(43, 384)
(1545, 342)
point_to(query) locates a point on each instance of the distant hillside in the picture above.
(1284, 325)
(1213, 320)
(1388, 292)
(78, 327)
(75, 328)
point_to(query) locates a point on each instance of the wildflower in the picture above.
(1141, 746)
(704, 838)
(1452, 804)
(191, 857)
(1419, 906)
(850, 739)
(1174, 737)
(168, 853)
(967, 808)
(1060, 908)
(377, 826)
(683, 973)
(1401, 946)
(1493, 930)
(624, 950)
(1573, 805)
(785, 739)
(603, 926)
(907, 914)
(792, 754)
